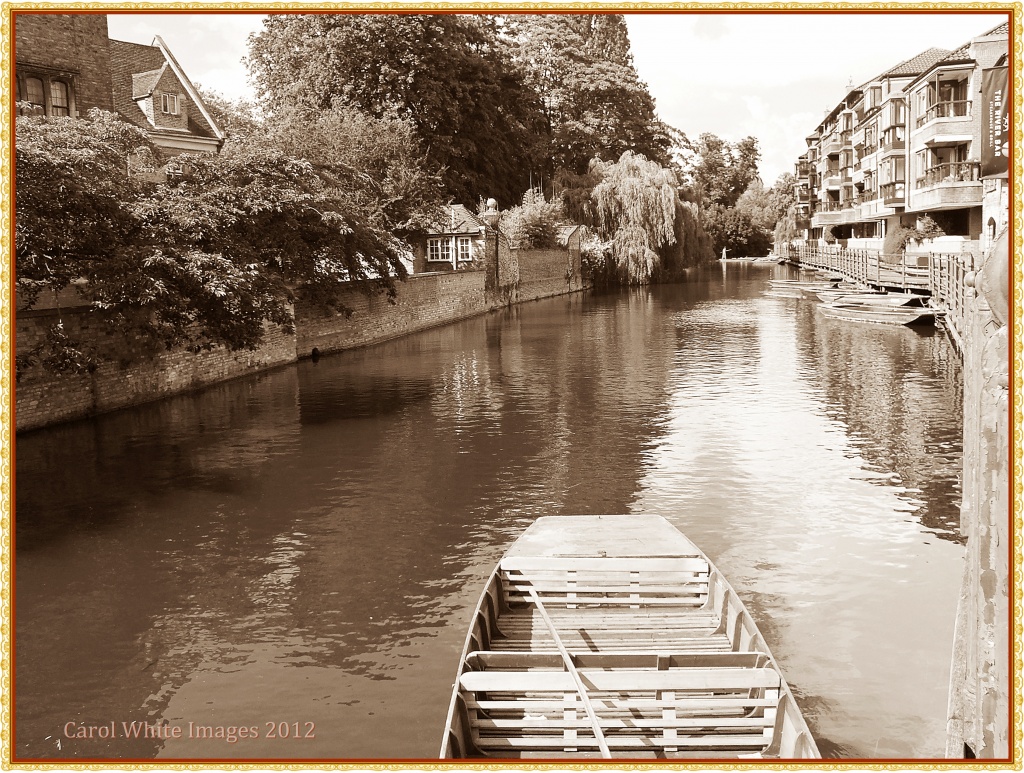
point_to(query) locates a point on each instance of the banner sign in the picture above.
(995, 123)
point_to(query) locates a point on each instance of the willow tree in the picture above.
(636, 207)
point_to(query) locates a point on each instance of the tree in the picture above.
(594, 103)
(385, 173)
(206, 259)
(722, 170)
(534, 223)
(237, 118)
(734, 230)
(451, 75)
(766, 206)
(635, 206)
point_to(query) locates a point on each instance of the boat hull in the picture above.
(878, 315)
(670, 663)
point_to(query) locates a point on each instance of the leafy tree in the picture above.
(207, 259)
(594, 103)
(379, 161)
(534, 223)
(722, 171)
(636, 207)
(451, 75)
(237, 118)
(766, 206)
(734, 230)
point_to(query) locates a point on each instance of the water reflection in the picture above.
(305, 547)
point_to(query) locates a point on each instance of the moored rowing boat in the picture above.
(879, 315)
(616, 636)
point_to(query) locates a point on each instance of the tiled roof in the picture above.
(458, 220)
(130, 59)
(999, 29)
(143, 83)
(918, 64)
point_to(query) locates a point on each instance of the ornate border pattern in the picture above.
(7, 11)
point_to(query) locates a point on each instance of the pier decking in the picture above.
(943, 276)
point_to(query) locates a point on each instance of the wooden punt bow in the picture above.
(615, 634)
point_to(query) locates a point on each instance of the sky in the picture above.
(770, 75)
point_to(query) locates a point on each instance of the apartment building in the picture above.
(906, 144)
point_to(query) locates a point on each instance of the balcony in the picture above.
(894, 138)
(949, 186)
(846, 138)
(893, 194)
(830, 146)
(959, 108)
(803, 169)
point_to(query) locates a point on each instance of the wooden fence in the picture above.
(941, 275)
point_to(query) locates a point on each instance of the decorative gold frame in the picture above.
(7, 439)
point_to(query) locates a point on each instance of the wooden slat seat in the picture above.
(581, 583)
(663, 703)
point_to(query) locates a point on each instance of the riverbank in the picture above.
(44, 398)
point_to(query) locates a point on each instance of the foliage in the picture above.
(379, 163)
(785, 229)
(734, 230)
(766, 206)
(534, 223)
(896, 239)
(237, 118)
(208, 259)
(594, 103)
(721, 170)
(451, 75)
(637, 208)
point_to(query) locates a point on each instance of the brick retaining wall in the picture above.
(422, 301)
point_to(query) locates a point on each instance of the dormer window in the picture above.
(169, 103)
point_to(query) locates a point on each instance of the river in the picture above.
(298, 552)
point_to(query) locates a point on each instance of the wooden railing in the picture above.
(947, 280)
(942, 275)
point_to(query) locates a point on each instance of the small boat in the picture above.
(879, 315)
(615, 636)
(828, 293)
(877, 299)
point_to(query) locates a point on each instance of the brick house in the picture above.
(455, 243)
(66, 64)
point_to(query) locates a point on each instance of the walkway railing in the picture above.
(940, 274)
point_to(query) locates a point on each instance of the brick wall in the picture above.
(423, 301)
(76, 43)
(44, 398)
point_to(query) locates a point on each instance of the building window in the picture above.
(59, 102)
(34, 91)
(169, 103)
(48, 95)
(465, 253)
(446, 250)
(433, 249)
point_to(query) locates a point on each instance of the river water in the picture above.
(299, 552)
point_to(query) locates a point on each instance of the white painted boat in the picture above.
(879, 315)
(879, 299)
(829, 293)
(616, 637)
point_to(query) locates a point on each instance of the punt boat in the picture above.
(828, 293)
(879, 315)
(878, 299)
(614, 636)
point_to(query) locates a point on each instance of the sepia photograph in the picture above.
(513, 384)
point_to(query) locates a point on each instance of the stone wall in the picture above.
(979, 706)
(543, 273)
(422, 301)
